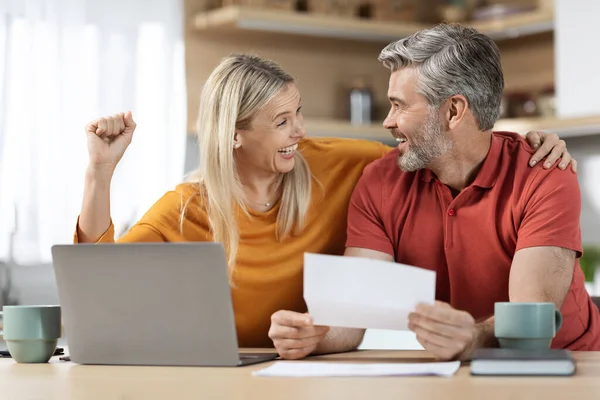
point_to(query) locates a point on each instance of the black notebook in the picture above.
(522, 362)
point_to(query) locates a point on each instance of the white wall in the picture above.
(577, 57)
(587, 152)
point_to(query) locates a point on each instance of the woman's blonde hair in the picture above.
(232, 96)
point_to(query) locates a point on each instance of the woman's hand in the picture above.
(108, 138)
(550, 147)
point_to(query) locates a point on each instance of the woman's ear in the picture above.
(236, 141)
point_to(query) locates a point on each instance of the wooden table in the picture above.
(65, 380)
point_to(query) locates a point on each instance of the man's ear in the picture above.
(458, 106)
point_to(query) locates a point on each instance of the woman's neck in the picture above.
(262, 190)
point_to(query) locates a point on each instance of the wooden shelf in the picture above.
(255, 19)
(565, 128)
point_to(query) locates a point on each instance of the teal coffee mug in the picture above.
(31, 333)
(526, 326)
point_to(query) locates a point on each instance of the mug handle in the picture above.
(558, 319)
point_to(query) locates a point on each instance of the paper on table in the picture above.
(357, 292)
(318, 369)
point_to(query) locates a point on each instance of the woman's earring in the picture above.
(236, 146)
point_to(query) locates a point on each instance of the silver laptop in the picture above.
(148, 304)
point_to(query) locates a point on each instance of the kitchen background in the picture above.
(331, 47)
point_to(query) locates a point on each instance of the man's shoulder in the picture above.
(513, 143)
(545, 181)
(384, 166)
(515, 155)
(386, 175)
(511, 153)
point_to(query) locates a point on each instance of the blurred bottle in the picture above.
(546, 102)
(361, 102)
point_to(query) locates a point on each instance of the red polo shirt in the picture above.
(470, 240)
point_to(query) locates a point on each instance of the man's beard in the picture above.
(427, 144)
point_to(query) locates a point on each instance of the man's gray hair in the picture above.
(452, 59)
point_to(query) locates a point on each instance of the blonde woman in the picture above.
(262, 189)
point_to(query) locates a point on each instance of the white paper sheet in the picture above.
(357, 292)
(320, 369)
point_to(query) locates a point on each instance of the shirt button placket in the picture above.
(449, 228)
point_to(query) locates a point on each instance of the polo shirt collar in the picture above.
(486, 178)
